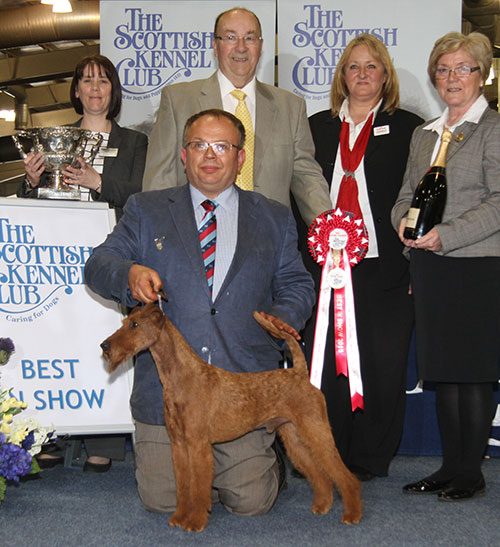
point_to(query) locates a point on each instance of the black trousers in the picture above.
(369, 438)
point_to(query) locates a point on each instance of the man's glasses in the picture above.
(219, 148)
(463, 71)
(249, 40)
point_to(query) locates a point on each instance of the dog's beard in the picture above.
(115, 359)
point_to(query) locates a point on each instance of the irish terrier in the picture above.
(220, 406)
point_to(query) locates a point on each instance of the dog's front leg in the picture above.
(193, 466)
(180, 460)
(201, 466)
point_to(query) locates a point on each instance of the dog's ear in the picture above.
(155, 314)
(135, 311)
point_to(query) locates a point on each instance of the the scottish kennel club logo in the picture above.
(34, 277)
(154, 56)
(323, 36)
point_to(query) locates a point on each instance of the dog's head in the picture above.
(139, 331)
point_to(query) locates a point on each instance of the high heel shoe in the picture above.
(48, 462)
(90, 467)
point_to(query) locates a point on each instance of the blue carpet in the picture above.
(67, 507)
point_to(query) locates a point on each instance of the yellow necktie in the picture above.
(245, 177)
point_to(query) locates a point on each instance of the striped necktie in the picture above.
(208, 232)
(245, 176)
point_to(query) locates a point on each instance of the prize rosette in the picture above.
(338, 241)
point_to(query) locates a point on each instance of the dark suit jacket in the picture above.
(384, 163)
(266, 274)
(122, 175)
(284, 152)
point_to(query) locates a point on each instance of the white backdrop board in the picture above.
(155, 43)
(55, 321)
(312, 37)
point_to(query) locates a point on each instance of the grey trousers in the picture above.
(245, 471)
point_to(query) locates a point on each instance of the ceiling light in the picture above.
(61, 6)
(8, 115)
(58, 6)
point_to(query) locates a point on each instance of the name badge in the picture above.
(381, 130)
(108, 152)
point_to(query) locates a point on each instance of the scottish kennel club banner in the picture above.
(160, 42)
(54, 320)
(312, 37)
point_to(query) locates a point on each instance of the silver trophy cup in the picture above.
(60, 147)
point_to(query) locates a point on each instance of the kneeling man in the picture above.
(219, 253)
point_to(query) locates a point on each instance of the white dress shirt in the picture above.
(473, 115)
(226, 214)
(230, 103)
(338, 173)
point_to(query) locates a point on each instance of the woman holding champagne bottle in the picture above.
(456, 285)
(366, 128)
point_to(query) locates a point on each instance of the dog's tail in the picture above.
(299, 361)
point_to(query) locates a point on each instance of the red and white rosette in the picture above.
(338, 241)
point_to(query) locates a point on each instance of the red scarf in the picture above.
(347, 198)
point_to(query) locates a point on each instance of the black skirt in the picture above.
(457, 315)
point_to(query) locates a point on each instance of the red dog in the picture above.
(215, 406)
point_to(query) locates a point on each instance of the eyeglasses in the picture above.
(234, 39)
(463, 71)
(219, 148)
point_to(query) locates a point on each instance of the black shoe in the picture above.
(89, 467)
(50, 462)
(460, 494)
(426, 486)
(361, 474)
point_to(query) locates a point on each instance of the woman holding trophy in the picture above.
(115, 173)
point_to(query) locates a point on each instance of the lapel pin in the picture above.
(459, 137)
(159, 242)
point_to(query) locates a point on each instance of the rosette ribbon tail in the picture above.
(322, 321)
(346, 342)
(337, 240)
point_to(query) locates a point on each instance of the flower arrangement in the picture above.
(20, 439)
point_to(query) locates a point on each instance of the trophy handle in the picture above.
(95, 147)
(18, 143)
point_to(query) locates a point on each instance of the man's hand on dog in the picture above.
(144, 283)
(280, 324)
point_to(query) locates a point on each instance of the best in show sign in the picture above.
(54, 320)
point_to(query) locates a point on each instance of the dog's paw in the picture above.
(351, 517)
(321, 508)
(190, 523)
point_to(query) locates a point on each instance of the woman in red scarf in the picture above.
(362, 145)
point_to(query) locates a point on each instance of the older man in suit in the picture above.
(257, 267)
(283, 151)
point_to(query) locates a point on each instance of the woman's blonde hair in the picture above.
(475, 44)
(390, 89)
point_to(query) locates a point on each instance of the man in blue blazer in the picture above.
(284, 151)
(257, 267)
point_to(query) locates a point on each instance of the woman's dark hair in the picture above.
(103, 64)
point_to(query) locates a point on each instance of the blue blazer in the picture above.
(158, 230)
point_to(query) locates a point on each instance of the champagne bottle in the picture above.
(429, 199)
